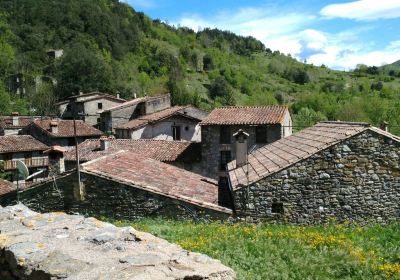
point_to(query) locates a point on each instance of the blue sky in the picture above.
(340, 34)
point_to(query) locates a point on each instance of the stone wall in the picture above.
(211, 147)
(106, 198)
(356, 180)
(59, 246)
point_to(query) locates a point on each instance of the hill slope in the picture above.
(108, 46)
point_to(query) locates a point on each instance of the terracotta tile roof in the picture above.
(246, 115)
(66, 128)
(20, 143)
(23, 121)
(154, 176)
(6, 187)
(279, 155)
(155, 117)
(162, 150)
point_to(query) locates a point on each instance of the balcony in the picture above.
(34, 162)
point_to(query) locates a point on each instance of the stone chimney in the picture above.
(15, 118)
(241, 147)
(118, 95)
(385, 126)
(56, 160)
(104, 143)
(54, 127)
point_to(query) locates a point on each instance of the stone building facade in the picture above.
(88, 106)
(333, 171)
(23, 148)
(180, 123)
(13, 124)
(125, 112)
(263, 125)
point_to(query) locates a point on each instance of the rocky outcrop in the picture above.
(59, 246)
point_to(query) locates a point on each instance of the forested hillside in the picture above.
(110, 47)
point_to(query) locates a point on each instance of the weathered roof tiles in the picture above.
(157, 177)
(246, 115)
(66, 128)
(20, 143)
(278, 155)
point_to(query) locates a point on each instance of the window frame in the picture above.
(176, 133)
(224, 159)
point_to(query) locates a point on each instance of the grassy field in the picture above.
(289, 252)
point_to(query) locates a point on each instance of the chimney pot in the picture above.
(104, 143)
(241, 147)
(118, 95)
(15, 118)
(54, 127)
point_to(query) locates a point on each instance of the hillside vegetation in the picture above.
(289, 252)
(110, 47)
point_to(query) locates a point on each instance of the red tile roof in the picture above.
(281, 154)
(20, 143)
(66, 128)
(162, 150)
(246, 115)
(154, 176)
(6, 187)
(155, 117)
(23, 121)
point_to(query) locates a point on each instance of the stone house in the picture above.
(13, 124)
(185, 155)
(331, 171)
(26, 149)
(127, 186)
(87, 106)
(56, 132)
(127, 111)
(180, 123)
(263, 125)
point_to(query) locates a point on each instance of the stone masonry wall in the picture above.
(211, 147)
(356, 180)
(106, 198)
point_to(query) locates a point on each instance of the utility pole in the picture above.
(78, 170)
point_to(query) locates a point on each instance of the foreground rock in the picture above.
(60, 246)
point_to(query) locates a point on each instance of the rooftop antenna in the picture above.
(23, 173)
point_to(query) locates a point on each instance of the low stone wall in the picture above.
(106, 198)
(59, 246)
(356, 180)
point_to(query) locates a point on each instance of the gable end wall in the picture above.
(356, 180)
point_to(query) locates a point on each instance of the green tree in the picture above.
(81, 69)
(308, 117)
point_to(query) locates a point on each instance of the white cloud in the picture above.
(363, 10)
(289, 33)
(271, 27)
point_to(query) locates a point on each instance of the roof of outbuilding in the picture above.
(6, 187)
(66, 128)
(162, 150)
(279, 155)
(158, 116)
(246, 115)
(23, 121)
(20, 143)
(154, 176)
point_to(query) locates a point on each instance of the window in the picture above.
(71, 141)
(100, 105)
(225, 158)
(69, 107)
(277, 208)
(224, 194)
(176, 133)
(225, 135)
(261, 134)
